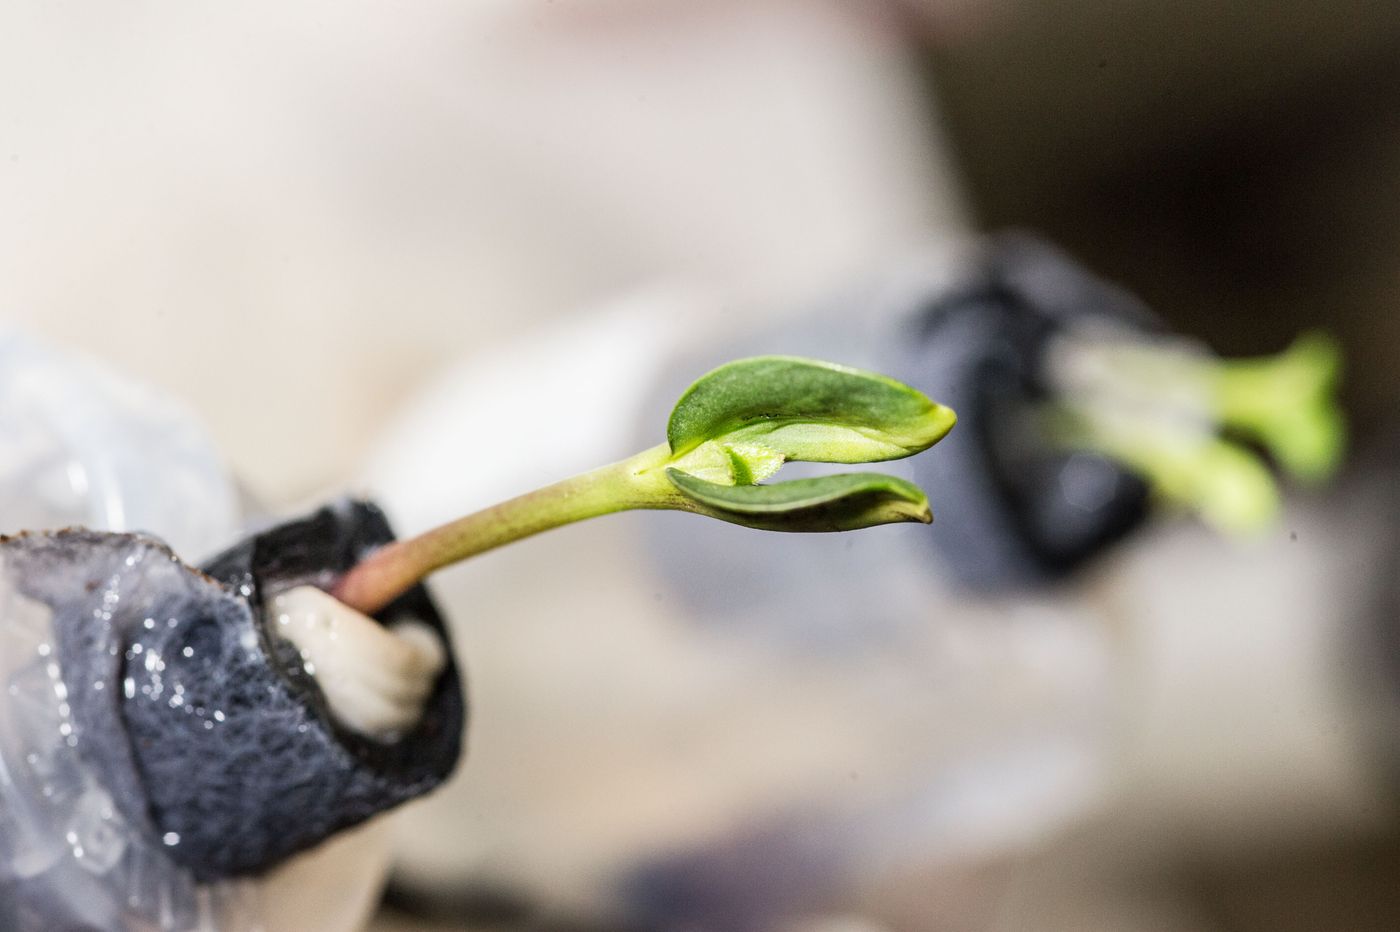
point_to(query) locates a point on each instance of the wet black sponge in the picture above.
(206, 729)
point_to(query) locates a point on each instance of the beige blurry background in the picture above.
(292, 217)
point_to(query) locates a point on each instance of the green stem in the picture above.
(636, 483)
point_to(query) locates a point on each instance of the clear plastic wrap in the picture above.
(77, 444)
(67, 857)
(76, 447)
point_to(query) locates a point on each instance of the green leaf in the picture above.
(804, 409)
(1288, 402)
(827, 503)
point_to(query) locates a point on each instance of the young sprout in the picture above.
(731, 430)
(1175, 416)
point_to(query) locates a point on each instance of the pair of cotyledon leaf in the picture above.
(737, 425)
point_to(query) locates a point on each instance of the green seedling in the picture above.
(730, 431)
(1185, 421)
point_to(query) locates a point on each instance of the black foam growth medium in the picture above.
(205, 728)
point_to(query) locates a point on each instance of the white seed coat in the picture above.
(376, 679)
